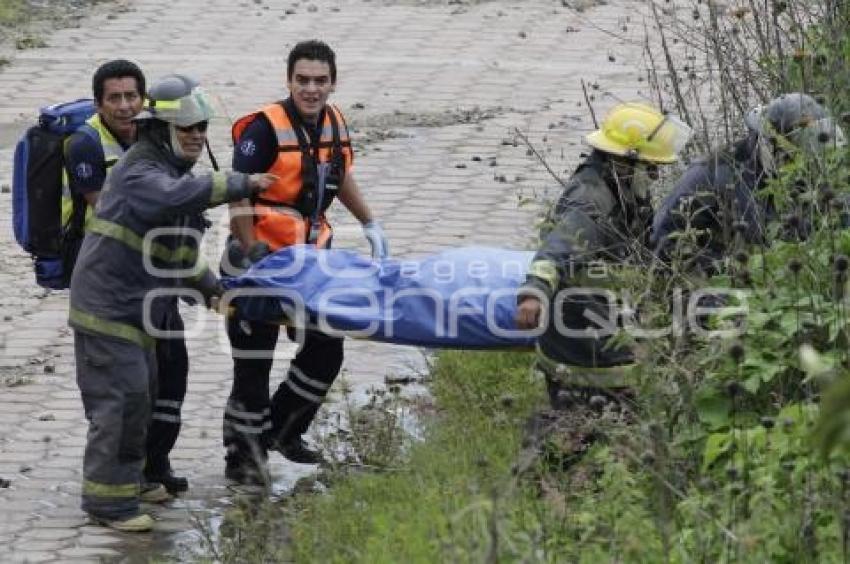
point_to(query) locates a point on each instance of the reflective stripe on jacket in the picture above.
(277, 220)
(94, 324)
(598, 225)
(118, 271)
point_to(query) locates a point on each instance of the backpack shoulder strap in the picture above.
(337, 158)
(87, 129)
(334, 127)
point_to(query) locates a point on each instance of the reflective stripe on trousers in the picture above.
(251, 421)
(115, 378)
(172, 362)
(623, 376)
(309, 379)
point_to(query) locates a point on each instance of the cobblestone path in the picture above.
(433, 92)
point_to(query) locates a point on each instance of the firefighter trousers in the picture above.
(172, 361)
(116, 380)
(253, 423)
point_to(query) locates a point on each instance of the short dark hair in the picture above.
(118, 68)
(313, 50)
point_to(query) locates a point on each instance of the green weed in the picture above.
(736, 449)
(438, 502)
(11, 12)
(29, 42)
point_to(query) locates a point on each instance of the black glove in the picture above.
(214, 293)
(210, 287)
(234, 262)
(258, 251)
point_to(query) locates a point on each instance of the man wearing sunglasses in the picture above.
(601, 219)
(118, 87)
(141, 251)
(717, 198)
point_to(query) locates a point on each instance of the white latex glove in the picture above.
(374, 233)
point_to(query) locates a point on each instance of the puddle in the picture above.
(196, 526)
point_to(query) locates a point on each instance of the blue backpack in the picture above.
(37, 193)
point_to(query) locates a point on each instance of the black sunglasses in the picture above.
(201, 126)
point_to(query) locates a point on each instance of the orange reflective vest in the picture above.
(283, 214)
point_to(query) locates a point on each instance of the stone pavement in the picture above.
(433, 91)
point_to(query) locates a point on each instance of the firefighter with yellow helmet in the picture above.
(600, 220)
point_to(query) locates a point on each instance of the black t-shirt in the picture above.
(256, 148)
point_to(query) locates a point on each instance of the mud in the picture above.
(31, 21)
(373, 129)
(559, 438)
(582, 5)
(432, 3)
(578, 5)
(429, 119)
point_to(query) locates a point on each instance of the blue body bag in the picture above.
(459, 298)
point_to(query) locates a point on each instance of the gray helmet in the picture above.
(797, 117)
(177, 99)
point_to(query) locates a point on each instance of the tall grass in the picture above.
(438, 503)
(736, 451)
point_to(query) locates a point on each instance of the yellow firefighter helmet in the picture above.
(641, 132)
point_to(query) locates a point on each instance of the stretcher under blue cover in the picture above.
(459, 298)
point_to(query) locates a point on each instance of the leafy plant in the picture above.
(736, 449)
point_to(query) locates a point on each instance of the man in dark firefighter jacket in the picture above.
(142, 243)
(718, 196)
(601, 219)
(119, 92)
